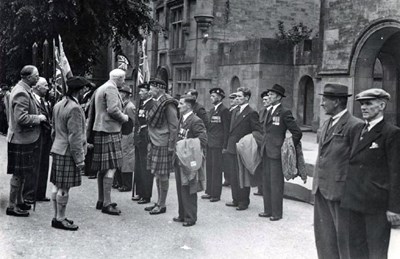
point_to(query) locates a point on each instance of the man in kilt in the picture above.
(162, 123)
(23, 139)
(68, 150)
(107, 152)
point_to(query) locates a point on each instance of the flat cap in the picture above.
(335, 90)
(265, 93)
(232, 96)
(155, 82)
(218, 91)
(77, 82)
(373, 93)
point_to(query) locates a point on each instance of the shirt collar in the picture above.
(336, 118)
(243, 106)
(217, 105)
(146, 101)
(36, 96)
(372, 123)
(274, 107)
(158, 98)
(185, 116)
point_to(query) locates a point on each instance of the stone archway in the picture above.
(376, 63)
(305, 106)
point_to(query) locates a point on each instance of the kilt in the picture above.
(22, 158)
(107, 151)
(64, 173)
(159, 160)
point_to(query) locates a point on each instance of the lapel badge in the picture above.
(374, 145)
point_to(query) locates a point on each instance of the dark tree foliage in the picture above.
(86, 26)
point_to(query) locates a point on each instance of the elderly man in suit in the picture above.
(331, 222)
(38, 182)
(278, 120)
(162, 121)
(218, 131)
(372, 189)
(190, 126)
(68, 150)
(244, 121)
(23, 138)
(107, 151)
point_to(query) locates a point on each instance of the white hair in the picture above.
(41, 80)
(117, 74)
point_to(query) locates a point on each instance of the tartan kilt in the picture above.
(64, 173)
(22, 158)
(159, 160)
(107, 151)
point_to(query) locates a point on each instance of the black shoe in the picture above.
(115, 186)
(92, 177)
(264, 215)
(111, 209)
(124, 189)
(16, 212)
(242, 208)
(151, 207)
(178, 219)
(258, 194)
(206, 196)
(143, 201)
(231, 204)
(29, 201)
(44, 199)
(158, 210)
(136, 198)
(64, 224)
(214, 199)
(188, 224)
(68, 220)
(24, 206)
(272, 218)
(99, 205)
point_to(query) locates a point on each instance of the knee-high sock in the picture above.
(107, 184)
(62, 200)
(20, 197)
(100, 176)
(54, 200)
(14, 188)
(158, 190)
(164, 185)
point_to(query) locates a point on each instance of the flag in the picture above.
(123, 62)
(143, 70)
(63, 62)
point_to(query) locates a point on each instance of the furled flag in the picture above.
(64, 64)
(143, 71)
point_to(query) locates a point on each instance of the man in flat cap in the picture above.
(278, 120)
(162, 121)
(372, 189)
(218, 131)
(68, 150)
(199, 109)
(143, 176)
(331, 222)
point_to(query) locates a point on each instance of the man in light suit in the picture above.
(372, 189)
(190, 126)
(218, 131)
(23, 136)
(244, 121)
(331, 222)
(278, 120)
(107, 151)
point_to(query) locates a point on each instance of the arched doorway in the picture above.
(376, 63)
(305, 109)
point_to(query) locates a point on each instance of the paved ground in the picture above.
(221, 232)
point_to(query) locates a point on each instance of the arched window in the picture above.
(235, 84)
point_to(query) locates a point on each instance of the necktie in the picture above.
(364, 130)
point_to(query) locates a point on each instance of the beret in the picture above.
(144, 85)
(218, 91)
(265, 93)
(373, 93)
(158, 83)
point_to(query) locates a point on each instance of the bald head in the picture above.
(41, 88)
(29, 75)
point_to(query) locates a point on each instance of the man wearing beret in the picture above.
(68, 150)
(199, 109)
(372, 189)
(331, 222)
(162, 121)
(277, 122)
(143, 176)
(218, 131)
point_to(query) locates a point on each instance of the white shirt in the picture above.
(372, 123)
(185, 116)
(146, 101)
(37, 97)
(243, 106)
(336, 118)
(274, 107)
(217, 105)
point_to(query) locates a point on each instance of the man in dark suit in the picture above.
(331, 222)
(190, 126)
(199, 109)
(372, 189)
(244, 121)
(217, 133)
(277, 122)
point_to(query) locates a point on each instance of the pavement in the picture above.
(221, 232)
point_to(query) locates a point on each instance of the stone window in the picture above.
(177, 37)
(182, 80)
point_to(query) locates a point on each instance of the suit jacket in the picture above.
(24, 116)
(142, 134)
(201, 112)
(275, 127)
(44, 108)
(373, 180)
(247, 122)
(193, 127)
(69, 131)
(218, 127)
(108, 115)
(334, 151)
